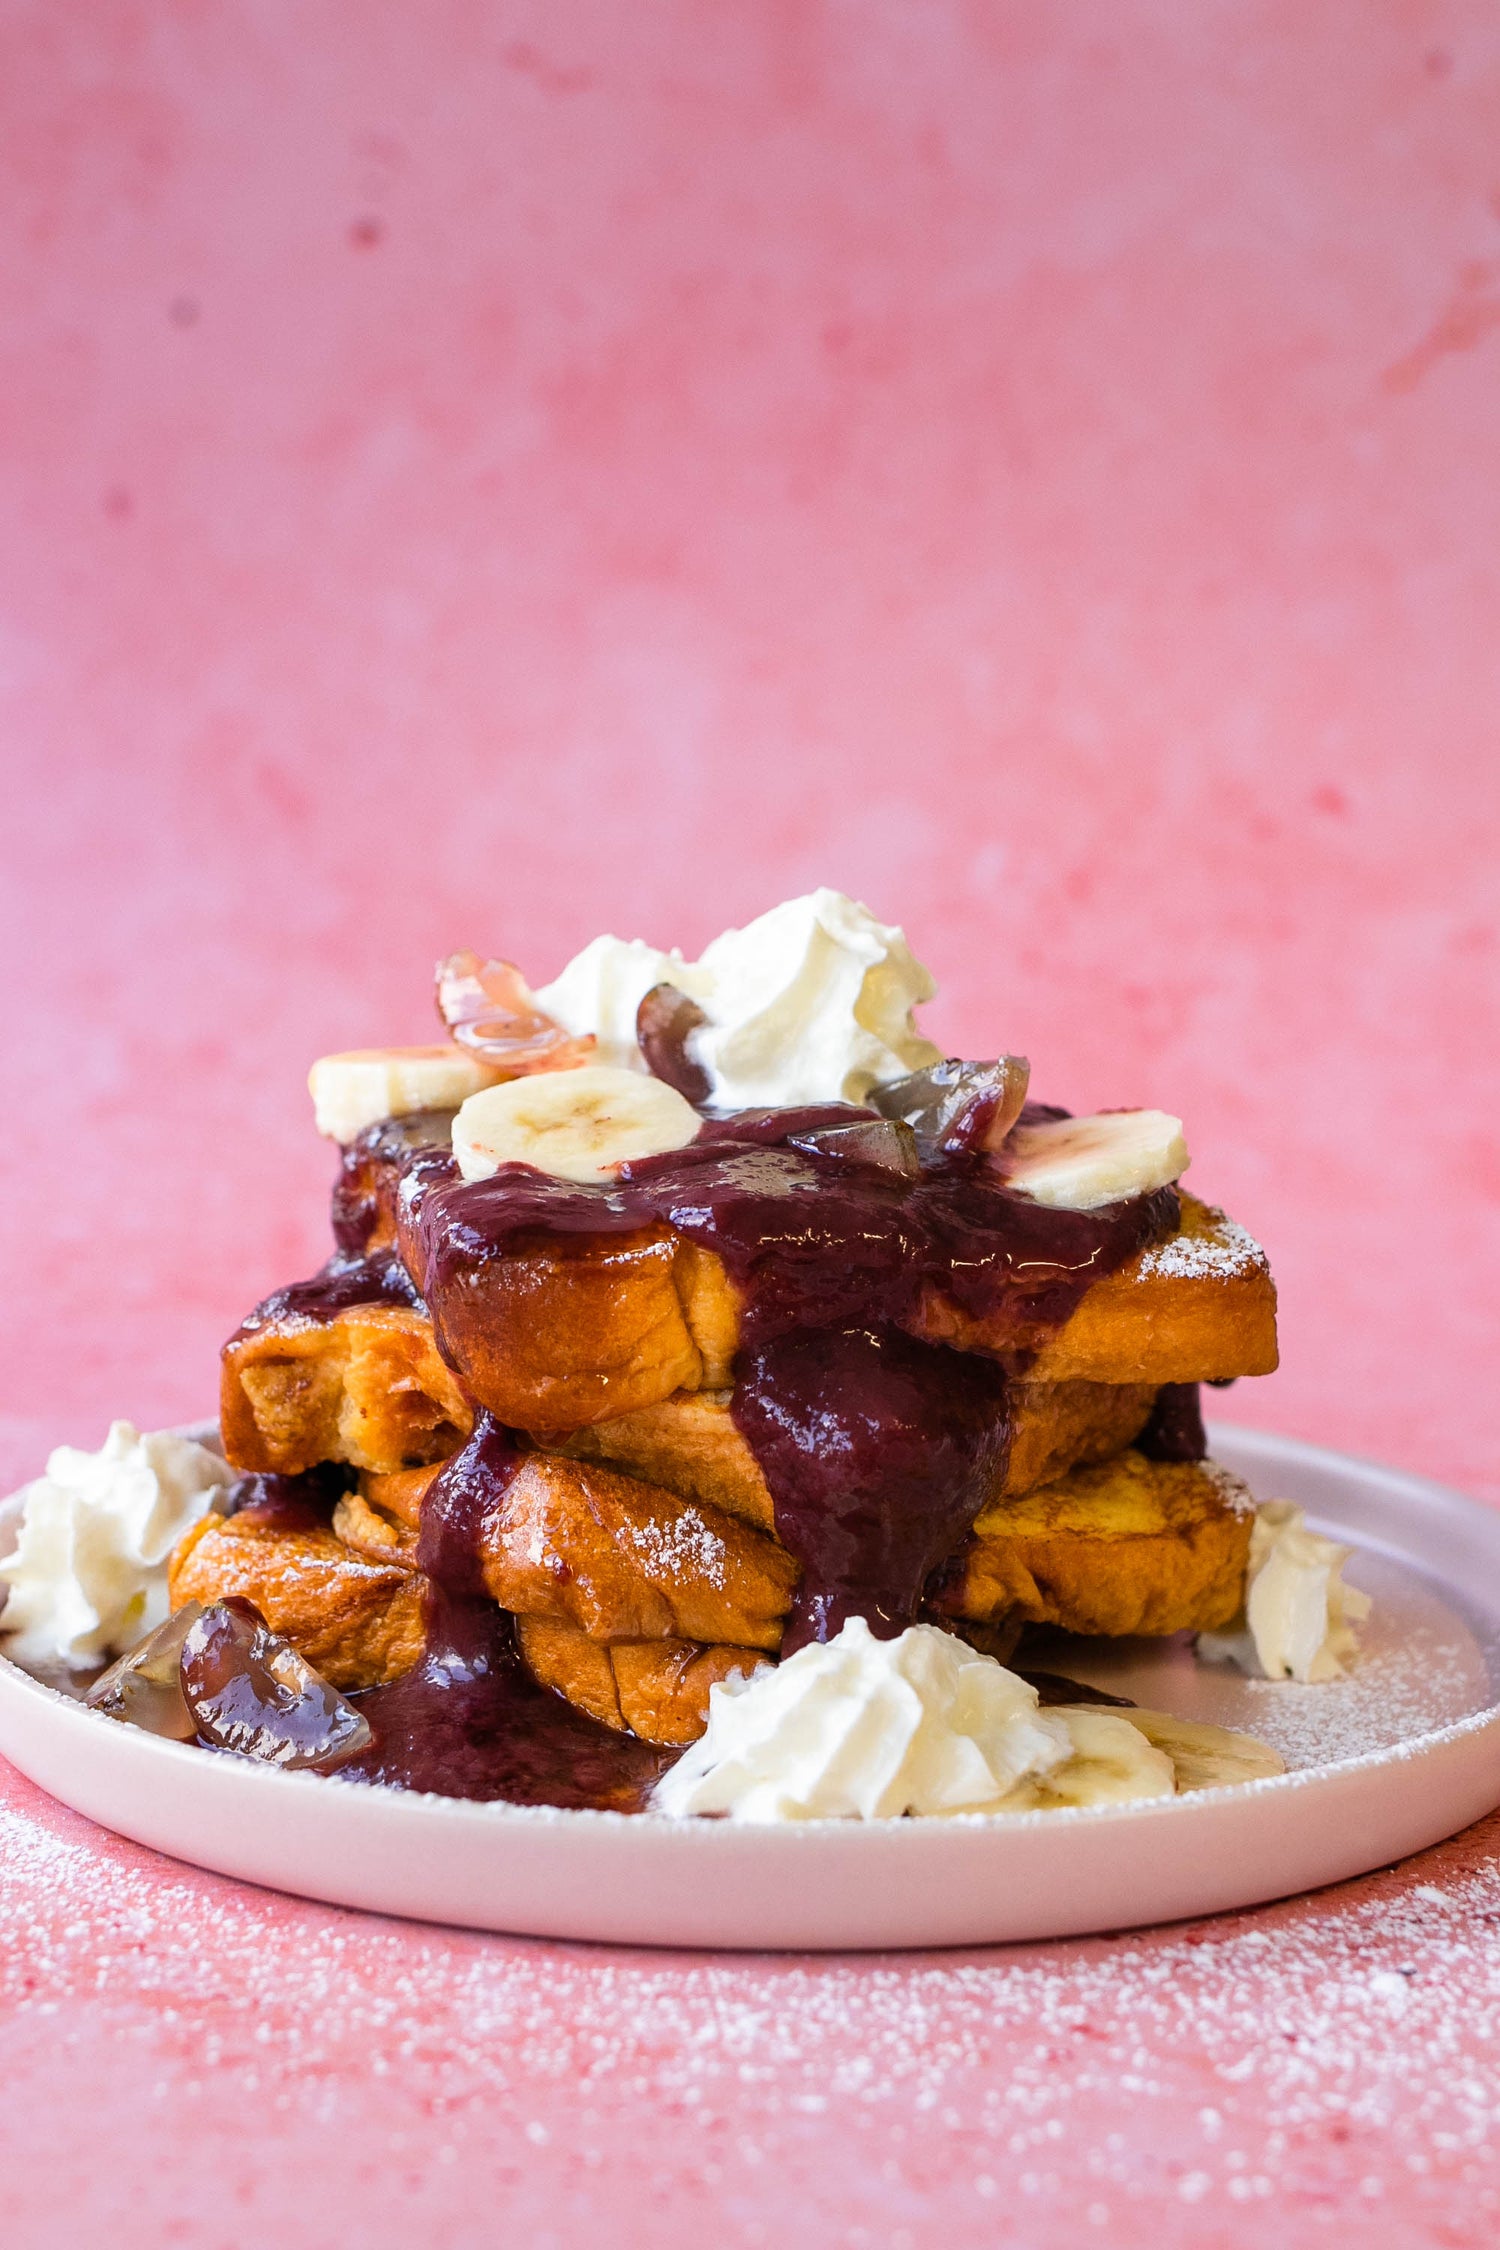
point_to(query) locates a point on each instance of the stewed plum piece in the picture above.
(886, 1144)
(960, 1108)
(250, 1691)
(488, 1007)
(144, 1686)
(663, 1023)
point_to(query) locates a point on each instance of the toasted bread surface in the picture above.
(690, 1443)
(656, 1689)
(367, 1387)
(1124, 1546)
(1197, 1308)
(356, 1619)
(623, 1560)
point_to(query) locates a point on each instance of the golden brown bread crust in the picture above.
(656, 1689)
(357, 1620)
(1125, 1546)
(367, 1387)
(558, 1336)
(555, 1341)
(1197, 1308)
(689, 1443)
(620, 1560)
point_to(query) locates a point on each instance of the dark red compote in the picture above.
(469, 1720)
(878, 1449)
(1175, 1429)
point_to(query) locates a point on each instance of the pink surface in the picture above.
(488, 473)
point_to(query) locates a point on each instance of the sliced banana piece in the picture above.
(1077, 1163)
(371, 1083)
(1113, 1762)
(1207, 1757)
(576, 1124)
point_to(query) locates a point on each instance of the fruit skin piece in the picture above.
(1080, 1163)
(368, 1084)
(885, 1144)
(576, 1125)
(491, 1012)
(664, 1022)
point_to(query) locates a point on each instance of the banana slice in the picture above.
(1113, 1762)
(576, 1124)
(1207, 1757)
(370, 1083)
(1077, 1163)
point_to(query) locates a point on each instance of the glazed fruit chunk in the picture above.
(144, 1686)
(250, 1692)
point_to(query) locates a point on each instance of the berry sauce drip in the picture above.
(879, 1453)
(878, 1449)
(341, 1285)
(281, 1503)
(1174, 1431)
(469, 1720)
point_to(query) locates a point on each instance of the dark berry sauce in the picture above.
(469, 1720)
(1174, 1431)
(878, 1449)
(341, 1285)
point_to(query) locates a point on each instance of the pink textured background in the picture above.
(489, 472)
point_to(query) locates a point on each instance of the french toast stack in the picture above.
(633, 1535)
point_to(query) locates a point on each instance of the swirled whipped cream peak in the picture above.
(811, 1002)
(88, 1574)
(860, 1728)
(1300, 1619)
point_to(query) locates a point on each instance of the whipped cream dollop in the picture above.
(1299, 1619)
(811, 1002)
(88, 1575)
(867, 1729)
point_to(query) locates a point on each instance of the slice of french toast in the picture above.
(561, 1338)
(690, 1442)
(367, 1386)
(1124, 1546)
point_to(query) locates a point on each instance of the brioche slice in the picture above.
(357, 1620)
(1125, 1546)
(656, 1689)
(1197, 1308)
(620, 1560)
(690, 1444)
(578, 1331)
(566, 1337)
(366, 1386)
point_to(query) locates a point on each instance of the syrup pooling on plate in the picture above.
(469, 1720)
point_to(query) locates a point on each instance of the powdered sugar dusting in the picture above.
(1334, 2056)
(1421, 1665)
(679, 1548)
(1223, 1254)
(1232, 1490)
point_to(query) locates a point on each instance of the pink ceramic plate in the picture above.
(1403, 1752)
